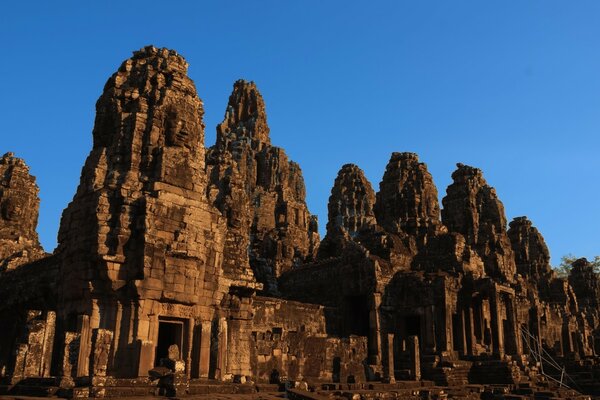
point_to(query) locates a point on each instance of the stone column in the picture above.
(497, 334)
(35, 343)
(187, 356)
(101, 343)
(511, 315)
(429, 331)
(117, 334)
(221, 368)
(374, 337)
(447, 318)
(205, 349)
(49, 333)
(463, 329)
(468, 316)
(18, 372)
(389, 370)
(69, 359)
(568, 345)
(415, 357)
(83, 359)
(146, 357)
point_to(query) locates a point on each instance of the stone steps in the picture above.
(196, 388)
(37, 387)
(495, 372)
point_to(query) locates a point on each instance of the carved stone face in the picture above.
(177, 133)
(180, 126)
(11, 211)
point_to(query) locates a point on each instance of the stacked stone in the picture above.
(472, 208)
(407, 200)
(260, 192)
(351, 202)
(531, 253)
(586, 284)
(19, 210)
(140, 225)
(350, 210)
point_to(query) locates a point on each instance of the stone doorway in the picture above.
(356, 315)
(412, 326)
(169, 333)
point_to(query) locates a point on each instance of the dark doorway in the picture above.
(510, 346)
(337, 369)
(412, 326)
(169, 333)
(357, 315)
(457, 336)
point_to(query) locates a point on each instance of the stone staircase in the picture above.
(445, 372)
(499, 372)
(35, 387)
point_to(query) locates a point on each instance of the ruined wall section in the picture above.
(139, 225)
(472, 208)
(291, 340)
(260, 192)
(19, 210)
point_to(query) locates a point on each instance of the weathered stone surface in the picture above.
(139, 221)
(260, 192)
(140, 241)
(407, 200)
(350, 210)
(351, 202)
(162, 246)
(19, 210)
(472, 208)
(586, 284)
(531, 253)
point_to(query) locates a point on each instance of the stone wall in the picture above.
(166, 245)
(291, 341)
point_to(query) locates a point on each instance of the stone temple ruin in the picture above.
(182, 270)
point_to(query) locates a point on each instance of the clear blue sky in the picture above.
(512, 87)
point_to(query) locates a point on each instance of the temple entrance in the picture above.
(457, 333)
(169, 333)
(357, 315)
(412, 326)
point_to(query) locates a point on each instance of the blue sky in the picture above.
(511, 87)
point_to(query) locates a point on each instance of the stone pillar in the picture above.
(429, 331)
(101, 343)
(85, 337)
(146, 357)
(415, 357)
(511, 315)
(34, 358)
(389, 369)
(448, 334)
(567, 339)
(70, 358)
(374, 337)
(468, 316)
(497, 334)
(49, 333)
(188, 344)
(117, 334)
(205, 349)
(221, 369)
(35, 344)
(20, 358)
